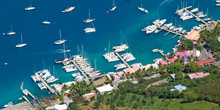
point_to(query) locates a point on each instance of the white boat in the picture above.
(52, 79)
(35, 78)
(151, 29)
(89, 19)
(90, 29)
(30, 7)
(61, 41)
(207, 19)
(217, 4)
(114, 7)
(11, 32)
(8, 105)
(194, 10)
(120, 48)
(142, 9)
(71, 69)
(22, 44)
(41, 86)
(46, 22)
(217, 1)
(120, 66)
(68, 9)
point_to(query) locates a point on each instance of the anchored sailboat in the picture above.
(89, 19)
(22, 44)
(60, 41)
(11, 32)
(114, 6)
(30, 7)
(64, 54)
(46, 21)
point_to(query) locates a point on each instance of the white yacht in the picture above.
(89, 30)
(52, 79)
(142, 9)
(114, 7)
(217, 1)
(217, 4)
(71, 69)
(61, 41)
(120, 48)
(120, 66)
(11, 32)
(41, 86)
(35, 78)
(22, 44)
(30, 7)
(194, 10)
(68, 9)
(46, 22)
(8, 105)
(89, 19)
(151, 29)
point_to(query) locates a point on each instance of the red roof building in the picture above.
(201, 63)
(162, 62)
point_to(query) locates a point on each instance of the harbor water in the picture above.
(121, 26)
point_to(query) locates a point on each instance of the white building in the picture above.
(105, 88)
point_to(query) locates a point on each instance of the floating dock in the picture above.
(51, 89)
(30, 94)
(80, 70)
(122, 60)
(25, 98)
(169, 31)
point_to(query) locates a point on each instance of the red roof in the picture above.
(171, 60)
(197, 75)
(201, 63)
(162, 62)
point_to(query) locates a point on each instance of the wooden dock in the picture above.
(80, 70)
(169, 31)
(30, 93)
(195, 16)
(50, 89)
(123, 60)
(25, 98)
(184, 8)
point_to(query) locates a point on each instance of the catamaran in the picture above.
(68, 9)
(11, 32)
(64, 54)
(90, 29)
(30, 7)
(114, 7)
(142, 9)
(22, 44)
(89, 19)
(60, 41)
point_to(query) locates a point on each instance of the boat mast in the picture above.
(53, 70)
(11, 28)
(64, 51)
(113, 3)
(108, 46)
(93, 25)
(30, 4)
(60, 35)
(141, 3)
(82, 50)
(21, 38)
(95, 64)
(89, 13)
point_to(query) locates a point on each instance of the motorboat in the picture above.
(194, 10)
(89, 30)
(207, 19)
(68, 9)
(71, 69)
(46, 22)
(52, 79)
(8, 105)
(151, 29)
(217, 1)
(22, 44)
(11, 32)
(142, 9)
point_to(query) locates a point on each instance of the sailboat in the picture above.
(142, 9)
(22, 44)
(30, 7)
(46, 21)
(69, 9)
(114, 7)
(64, 54)
(90, 29)
(60, 41)
(11, 32)
(89, 19)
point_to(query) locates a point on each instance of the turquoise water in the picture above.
(41, 52)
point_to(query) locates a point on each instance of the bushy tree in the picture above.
(188, 44)
(191, 67)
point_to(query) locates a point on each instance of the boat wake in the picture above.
(166, 2)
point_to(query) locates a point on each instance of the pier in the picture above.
(25, 98)
(80, 70)
(122, 60)
(30, 93)
(169, 31)
(194, 15)
(51, 89)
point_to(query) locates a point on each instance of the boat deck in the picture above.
(123, 60)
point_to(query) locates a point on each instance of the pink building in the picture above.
(197, 75)
(162, 62)
(170, 60)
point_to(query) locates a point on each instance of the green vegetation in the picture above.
(187, 44)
